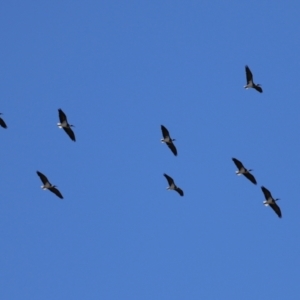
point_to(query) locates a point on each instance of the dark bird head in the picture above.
(72, 125)
(250, 170)
(173, 140)
(276, 199)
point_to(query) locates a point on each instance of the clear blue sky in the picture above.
(120, 69)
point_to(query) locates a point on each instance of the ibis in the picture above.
(243, 170)
(168, 140)
(48, 186)
(65, 125)
(250, 83)
(270, 201)
(172, 185)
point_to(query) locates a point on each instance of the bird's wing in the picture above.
(2, 123)
(42, 177)
(179, 191)
(266, 193)
(70, 133)
(165, 131)
(276, 208)
(170, 179)
(238, 163)
(249, 75)
(173, 148)
(250, 177)
(258, 88)
(56, 192)
(62, 116)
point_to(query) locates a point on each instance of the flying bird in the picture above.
(2, 123)
(172, 185)
(168, 140)
(250, 83)
(48, 186)
(243, 170)
(65, 125)
(270, 201)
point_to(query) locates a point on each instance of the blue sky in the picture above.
(120, 69)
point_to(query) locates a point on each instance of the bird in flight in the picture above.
(65, 125)
(250, 83)
(243, 170)
(168, 140)
(172, 185)
(270, 201)
(48, 186)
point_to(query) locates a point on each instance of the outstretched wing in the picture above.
(62, 116)
(179, 191)
(56, 192)
(42, 177)
(2, 123)
(258, 88)
(276, 208)
(266, 192)
(249, 75)
(165, 131)
(70, 133)
(238, 164)
(250, 177)
(172, 147)
(170, 179)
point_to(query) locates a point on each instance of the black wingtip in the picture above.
(253, 179)
(180, 191)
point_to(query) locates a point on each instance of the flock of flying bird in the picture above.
(270, 201)
(67, 128)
